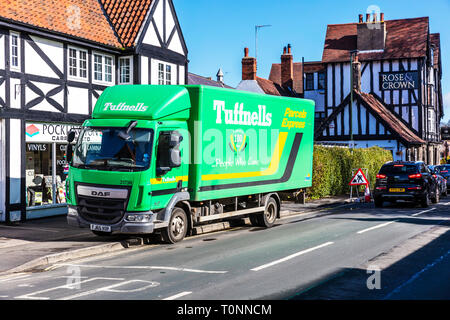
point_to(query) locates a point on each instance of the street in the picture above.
(332, 256)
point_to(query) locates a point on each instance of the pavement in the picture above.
(34, 244)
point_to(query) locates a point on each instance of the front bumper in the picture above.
(121, 227)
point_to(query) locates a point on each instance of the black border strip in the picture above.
(286, 175)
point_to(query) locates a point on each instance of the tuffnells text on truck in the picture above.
(169, 158)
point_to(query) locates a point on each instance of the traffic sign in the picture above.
(359, 179)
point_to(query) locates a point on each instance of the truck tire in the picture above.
(177, 228)
(270, 214)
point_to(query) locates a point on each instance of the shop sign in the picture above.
(399, 80)
(48, 132)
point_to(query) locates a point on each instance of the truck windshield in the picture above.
(104, 149)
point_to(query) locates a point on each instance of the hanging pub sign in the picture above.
(399, 80)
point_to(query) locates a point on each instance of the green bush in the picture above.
(332, 168)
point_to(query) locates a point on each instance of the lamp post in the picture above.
(256, 37)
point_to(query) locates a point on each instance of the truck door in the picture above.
(170, 174)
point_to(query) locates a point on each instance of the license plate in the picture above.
(397, 190)
(98, 227)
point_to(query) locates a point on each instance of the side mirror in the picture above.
(174, 158)
(71, 136)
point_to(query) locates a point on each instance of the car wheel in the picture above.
(378, 202)
(425, 202)
(435, 199)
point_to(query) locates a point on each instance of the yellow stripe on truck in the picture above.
(272, 169)
(161, 181)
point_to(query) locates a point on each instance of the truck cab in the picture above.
(127, 162)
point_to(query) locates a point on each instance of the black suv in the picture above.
(405, 180)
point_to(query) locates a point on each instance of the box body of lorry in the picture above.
(125, 175)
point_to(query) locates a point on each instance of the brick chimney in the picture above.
(248, 67)
(356, 73)
(371, 35)
(287, 67)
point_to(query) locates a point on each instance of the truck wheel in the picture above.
(177, 228)
(268, 217)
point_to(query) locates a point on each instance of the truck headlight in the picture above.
(138, 218)
(72, 211)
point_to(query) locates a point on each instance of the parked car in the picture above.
(444, 171)
(406, 181)
(441, 181)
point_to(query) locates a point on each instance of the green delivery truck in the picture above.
(169, 158)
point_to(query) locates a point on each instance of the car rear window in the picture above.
(399, 169)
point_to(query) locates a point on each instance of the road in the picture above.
(325, 257)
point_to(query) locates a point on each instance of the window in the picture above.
(321, 81)
(77, 63)
(98, 67)
(125, 69)
(15, 51)
(103, 68)
(164, 74)
(309, 81)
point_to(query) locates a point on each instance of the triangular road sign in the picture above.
(359, 179)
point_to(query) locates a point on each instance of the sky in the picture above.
(216, 32)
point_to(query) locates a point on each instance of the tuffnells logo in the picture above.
(31, 130)
(122, 106)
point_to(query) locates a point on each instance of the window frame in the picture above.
(311, 81)
(11, 66)
(78, 66)
(131, 66)
(164, 75)
(318, 80)
(103, 73)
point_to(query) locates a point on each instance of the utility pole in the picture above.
(256, 37)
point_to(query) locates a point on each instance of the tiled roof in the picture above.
(114, 23)
(394, 124)
(435, 39)
(405, 38)
(126, 17)
(310, 67)
(199, 80)
(273, 88)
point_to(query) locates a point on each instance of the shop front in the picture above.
(46, 168)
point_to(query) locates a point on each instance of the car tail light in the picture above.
(434, 175)
(415, 176)
(415, 188)
(445, 171)
(381, 176)
(380, 188)
(398, 165)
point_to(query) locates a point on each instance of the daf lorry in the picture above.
(169, 158)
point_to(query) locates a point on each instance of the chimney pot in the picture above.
(360, 18)
(284, 50)
(374, 17)
(382, 17)
(367, 17)
(246, 52)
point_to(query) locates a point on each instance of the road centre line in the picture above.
(376, 227)
(421, 212)
(179, 295)
(270, 264)
(143, 267)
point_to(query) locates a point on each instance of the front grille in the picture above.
(101, 210)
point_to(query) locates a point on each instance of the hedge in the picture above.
(332, 168)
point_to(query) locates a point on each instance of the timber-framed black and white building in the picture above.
(54, 64)
(397, 95)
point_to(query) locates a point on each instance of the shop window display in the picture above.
(40, 163)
